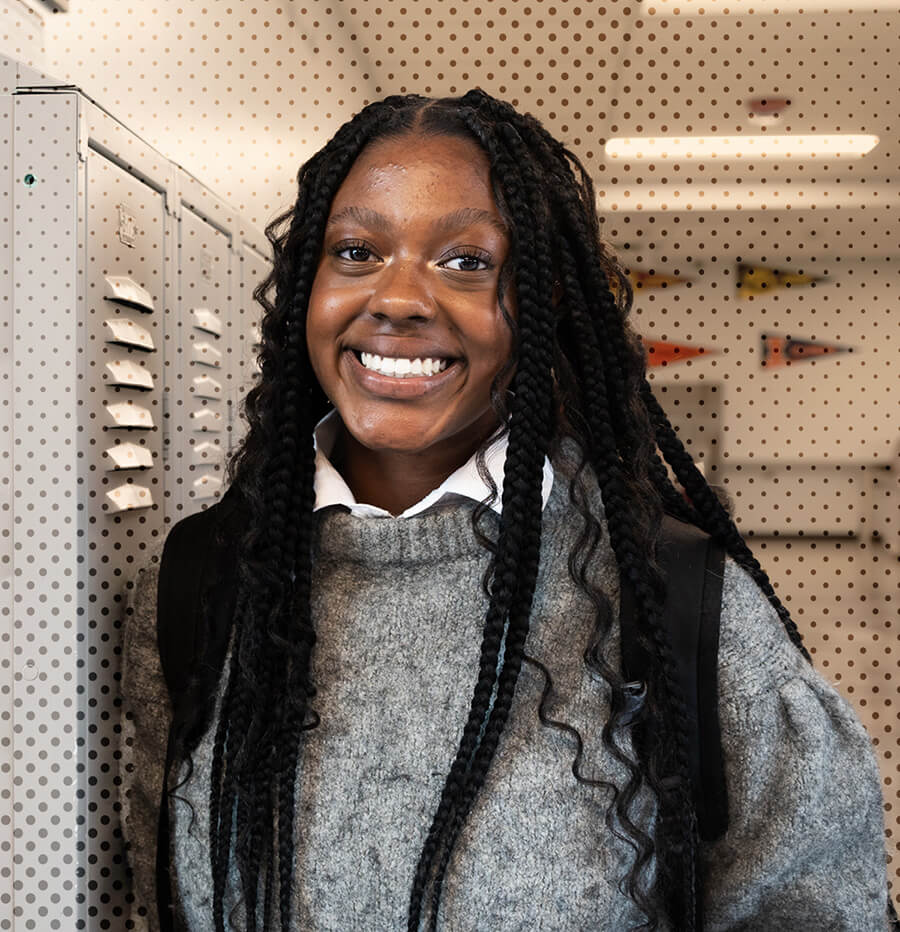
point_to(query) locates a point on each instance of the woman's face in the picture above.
(404, 328)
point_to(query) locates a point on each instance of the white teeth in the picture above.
(403, 368)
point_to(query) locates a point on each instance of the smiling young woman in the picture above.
(406, 329)
(452, 465)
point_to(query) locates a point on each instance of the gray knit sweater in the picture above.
(399, 612)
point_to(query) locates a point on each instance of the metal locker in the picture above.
(202, 369)
(118, 263)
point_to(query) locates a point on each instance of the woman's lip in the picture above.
(388, 386)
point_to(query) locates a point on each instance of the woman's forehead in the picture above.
(415, 155)
(414, 171)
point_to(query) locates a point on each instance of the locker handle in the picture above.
(129, 497)
(204, 319)
(125, 332)
(128, 416)
(207, 420)
(129, 456)
(123, 290)
(206, 355)
(124, 373)
(207, 487)
(207, 452)
(205, 386)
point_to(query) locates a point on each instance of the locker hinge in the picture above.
(84, 134)
(173, 193)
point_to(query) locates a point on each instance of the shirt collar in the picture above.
(465, 482)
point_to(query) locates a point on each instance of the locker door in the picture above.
(123, 358)
(127, 230)
(197, 441)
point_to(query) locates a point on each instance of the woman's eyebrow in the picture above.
(364, 216)
(467, 217)
(455, 220)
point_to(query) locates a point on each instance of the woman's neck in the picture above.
(395, 480)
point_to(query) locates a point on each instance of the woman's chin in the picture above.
(386, 439)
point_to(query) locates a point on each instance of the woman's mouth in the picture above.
(400, 367)
(401, 377)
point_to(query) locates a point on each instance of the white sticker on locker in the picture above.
(207, 452)
(128, 496)
(207, 487)
(205, 386)
(128, 373)
(204, 319)
(124, 330)
(129, 456)
(206, 354)
(128, 414)
(207, 419)
(123, 290)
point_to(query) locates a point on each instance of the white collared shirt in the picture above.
(331, 489)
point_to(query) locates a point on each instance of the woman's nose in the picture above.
(402, 294)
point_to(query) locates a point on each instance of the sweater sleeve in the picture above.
(805, 843)
(145, 717)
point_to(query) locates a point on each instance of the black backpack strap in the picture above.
(189, 557)
(177, 609)
(693, 565)
(712, 807)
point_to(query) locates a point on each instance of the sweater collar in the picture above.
(437, 536)
(465, 483)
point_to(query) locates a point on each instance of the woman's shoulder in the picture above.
(767, 687)
(755, 650)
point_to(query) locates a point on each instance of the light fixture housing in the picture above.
(757, 147)
(751, 7)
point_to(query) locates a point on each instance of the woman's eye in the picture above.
(466, 263)
(355, 253)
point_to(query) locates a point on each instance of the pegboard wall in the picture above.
(239, 95)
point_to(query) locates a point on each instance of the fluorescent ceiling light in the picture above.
(757, 147)
(748, 7)
(746, 197)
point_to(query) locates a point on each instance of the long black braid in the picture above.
(516, 558)
(579, 371)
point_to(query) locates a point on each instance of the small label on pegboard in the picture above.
(206, 263)
(127, 228)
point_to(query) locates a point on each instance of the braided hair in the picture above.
(579, 372)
